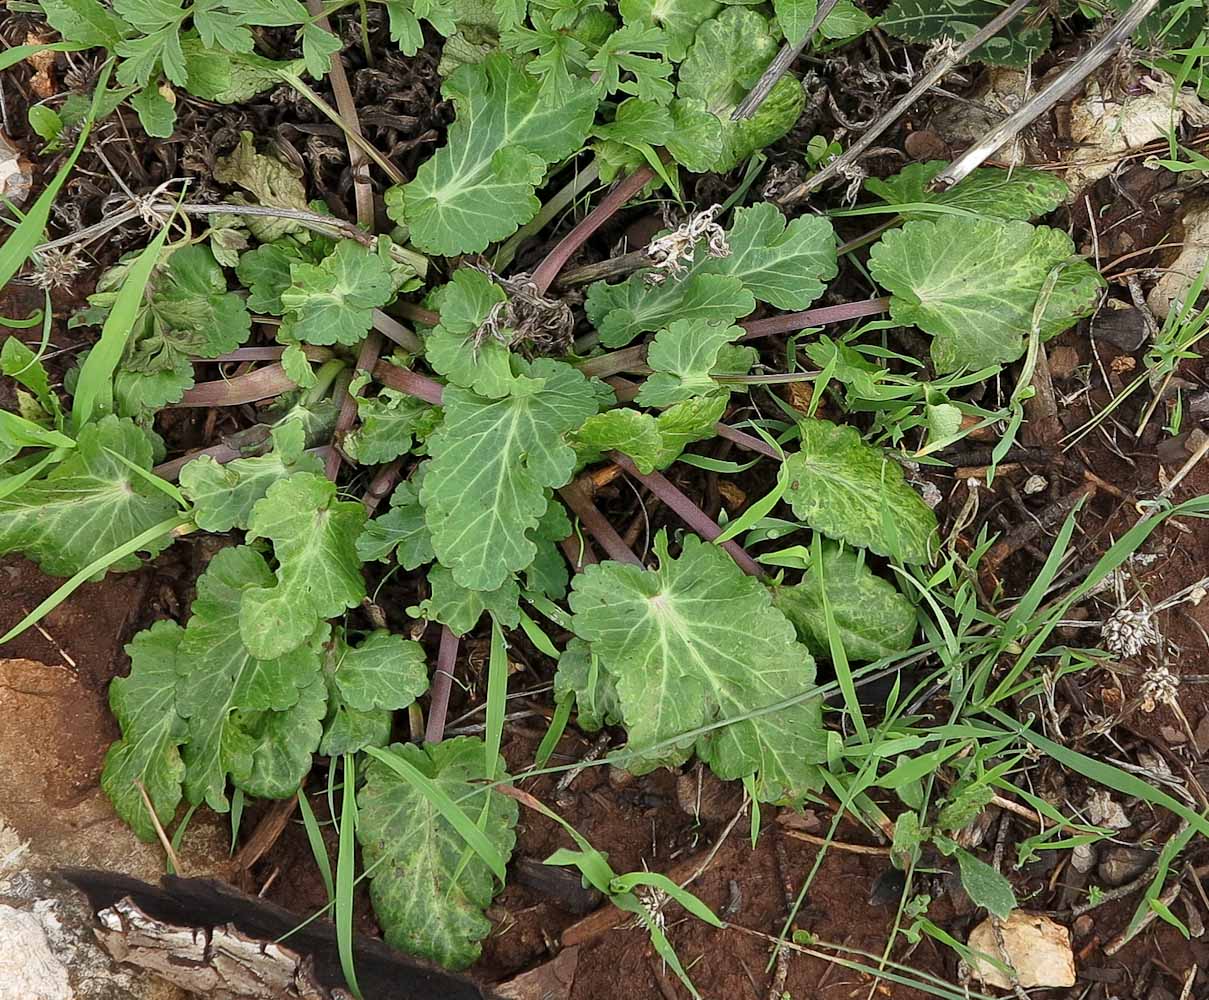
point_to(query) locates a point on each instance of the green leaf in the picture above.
(407, 841)
(219, 681)
(873, 619)
(89, 504)
(478, 188)
(679, 20)
(491, 462)
(461, 609)
(285, 743)
(19, 363)
(452, 347)
(87, 22)
(628, 431)
(787, 265)
(232, 77)
(389, 422)
(621, 312)
(795, 18)
(697, 642)
(696, 139)
(683, 357)
(188, 313)
(265, 271)
(1019, 193)
(595, 694)
(1018, 44)
(144, 703)
(684, 423)
(856, 493)
(846, 20)
(318, 47)
(271, 183)
(400, 532)
(382, 671)
(985, 886)
(333, 302)
(405, 18)
(973, 285)
(728, 55)
(638, 123)
(223, 495)
(156, 113)
(621, 66)
(318, 573)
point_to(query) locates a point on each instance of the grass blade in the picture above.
(449, 809)
(558, 725)
(94, 388)
(346, 860)
(314, 837)
(497, 698)
(103, 562)
(28, 234)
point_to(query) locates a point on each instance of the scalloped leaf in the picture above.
(684, 357)
(478, 188)
(694, 643)
(318, 572)
(408, 843)
(223, 495)
(400, 532)
(856, 493)
(219, 681)
(492, 460)
(461, 608)
(144, 703)
(973, 284)
(333, 302)
(595, 694)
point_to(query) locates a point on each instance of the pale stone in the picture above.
(1034, 945)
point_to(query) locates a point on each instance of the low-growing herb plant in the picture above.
(491, 403)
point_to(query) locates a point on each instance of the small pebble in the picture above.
(1121, 863)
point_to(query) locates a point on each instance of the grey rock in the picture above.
(1121, 863)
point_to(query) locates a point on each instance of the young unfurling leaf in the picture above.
(333, 302)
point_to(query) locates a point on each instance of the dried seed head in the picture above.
(669, 254)
(527, 321)
(57, 268)
(1159, 687)
(653, 901)
(1127, 633)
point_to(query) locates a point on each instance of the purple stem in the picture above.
(688, 512)
(597, 524)
(610, 204)
(748, 441)
(412, 383)
(442, 685)
(791, 322)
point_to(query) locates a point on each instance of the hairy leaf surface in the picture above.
(974, 284)
(1018, 44)
(856, 493)
(407, 843)
(696, 642)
